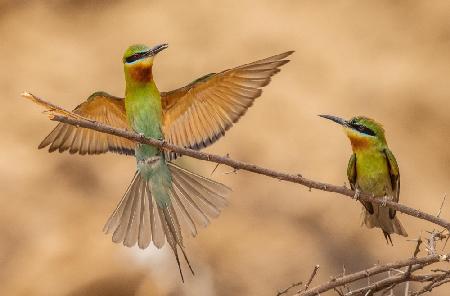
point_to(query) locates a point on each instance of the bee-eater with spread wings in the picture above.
(373, 169)
(164, 199)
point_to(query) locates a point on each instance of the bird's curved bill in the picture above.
(336, 119)
(157, 48)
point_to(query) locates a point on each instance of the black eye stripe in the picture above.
(362, 129)
(135, 57)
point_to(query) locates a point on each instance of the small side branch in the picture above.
(313, 274)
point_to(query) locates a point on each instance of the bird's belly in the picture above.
(148, 129)
(144, 123)
(145, 119)
(375, 185)
(372, 175)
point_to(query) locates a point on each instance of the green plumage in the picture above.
(160, 191)
(373, 169)
(144, 113)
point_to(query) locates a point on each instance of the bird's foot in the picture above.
(357, 194)
(141, 134)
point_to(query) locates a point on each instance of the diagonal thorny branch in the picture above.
(61, 115)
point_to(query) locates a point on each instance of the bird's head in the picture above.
(138, 61)
(363, 132)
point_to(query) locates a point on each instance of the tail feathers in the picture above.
(173, 235)
(397, 228)
(138, 219)
(196, 199)
(381, 219)
(388, 238)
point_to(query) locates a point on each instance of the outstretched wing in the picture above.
(100, 107)
(394, 173)
(198, 114)
(352, 175)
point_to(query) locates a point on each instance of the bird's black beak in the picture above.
(157, 49)
(336, 119)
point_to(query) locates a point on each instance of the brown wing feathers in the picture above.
(100, 107)
(196, 115)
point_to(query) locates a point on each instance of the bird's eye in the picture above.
(365, 130)
(361, 128)
(135, 57)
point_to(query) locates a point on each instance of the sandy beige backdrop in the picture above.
(389, 60)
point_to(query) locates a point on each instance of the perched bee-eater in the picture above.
(164, 199)
(373, 169)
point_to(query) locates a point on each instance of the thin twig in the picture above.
(288, 288)
(416, 252)
(313, 274)
(408, 269)
(442, 205)
(346, 286)
(431, 243)
(407, 288)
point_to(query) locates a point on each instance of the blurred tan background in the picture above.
(389, 60)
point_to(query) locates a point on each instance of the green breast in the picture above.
(144, 112)
(372, 173)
